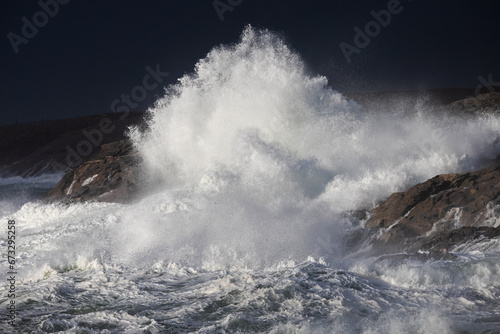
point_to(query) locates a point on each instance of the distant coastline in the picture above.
(33, 149)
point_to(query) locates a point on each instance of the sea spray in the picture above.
(252, 155)
(255, 165)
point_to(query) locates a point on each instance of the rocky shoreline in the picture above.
(429, 219)
(439, 214)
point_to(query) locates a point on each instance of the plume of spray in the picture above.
(255, 161)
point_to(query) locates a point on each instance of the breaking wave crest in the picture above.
(254, 168)
(252, 153)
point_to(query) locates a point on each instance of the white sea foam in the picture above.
(254, 163)
(260, 158)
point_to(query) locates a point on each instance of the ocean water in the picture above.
(253, 168)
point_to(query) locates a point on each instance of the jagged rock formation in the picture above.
(440, 210)
(111, 176)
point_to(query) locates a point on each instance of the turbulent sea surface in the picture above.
(256, 166)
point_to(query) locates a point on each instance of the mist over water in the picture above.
(253, 154)
(252, 167)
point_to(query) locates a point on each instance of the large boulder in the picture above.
(111, 176)
(437, 207)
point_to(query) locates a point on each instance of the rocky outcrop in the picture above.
(484, 103)
(438, 210)
(111, 176)
(33, 149)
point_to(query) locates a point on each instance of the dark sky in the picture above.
(90, 52)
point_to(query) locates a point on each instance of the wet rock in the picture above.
(441, 245)
(436, 208)
(111, 176)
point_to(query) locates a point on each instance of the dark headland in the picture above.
(429, 219)
(48, 147)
